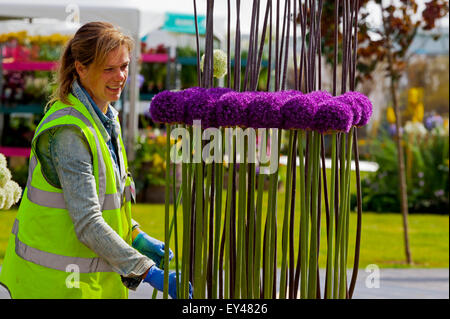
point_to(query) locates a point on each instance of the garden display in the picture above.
(230, 238)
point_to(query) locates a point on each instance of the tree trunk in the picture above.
(401, 166)
(398, 125)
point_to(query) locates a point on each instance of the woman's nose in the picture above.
(121, 75)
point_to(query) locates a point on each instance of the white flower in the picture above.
(17, 191)
(220, 63)
(11, 193)
(2, 160)
(415, 128)
(5, 175)
(2, 197)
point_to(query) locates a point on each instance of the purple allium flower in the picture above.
(298, 112)
(287, 94)
(218, 92)
(232, 110)
(264, 110)
(333, 115)
(199, 105)
(348, 99)
(167, 107)
(365, 105)
(319, 96)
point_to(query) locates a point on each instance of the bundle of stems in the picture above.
(229, 244)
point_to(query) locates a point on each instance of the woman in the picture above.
(73, 236)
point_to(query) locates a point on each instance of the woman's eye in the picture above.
(108, 69)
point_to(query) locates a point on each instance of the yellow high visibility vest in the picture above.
(44, 258)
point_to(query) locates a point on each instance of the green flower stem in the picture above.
(198, 280)
(341, 221)
(273, 221)
(172, 224)
(293, 171)
(304, 220)
(313, 261)
(175, 222)
(240, 288)
(219, 167)
(205, 224)
(268, 246)
(285, 231)
(227, 266)
(338, 212)
(309, 178)
(258, 226)
(347, 210)
(186, 182)
(167, 215)
(251, 228)
(186, 202)
(331, 226)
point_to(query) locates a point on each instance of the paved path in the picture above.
(393, 284)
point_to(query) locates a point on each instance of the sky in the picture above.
(220, 10)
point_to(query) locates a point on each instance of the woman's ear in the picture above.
(81, 69)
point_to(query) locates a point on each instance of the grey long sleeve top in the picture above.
(67, 163)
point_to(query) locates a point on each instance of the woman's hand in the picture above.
(150, 247)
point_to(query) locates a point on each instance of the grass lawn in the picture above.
(381, 242)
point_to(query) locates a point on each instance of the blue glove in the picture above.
(155, 278)
(151, 247)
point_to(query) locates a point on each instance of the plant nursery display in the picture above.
(230, 238)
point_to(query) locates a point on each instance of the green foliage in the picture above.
(427, 168)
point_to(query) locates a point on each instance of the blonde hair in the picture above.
(90, 45)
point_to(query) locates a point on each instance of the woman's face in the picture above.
(105, 83)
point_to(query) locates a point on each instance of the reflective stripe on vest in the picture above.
(56, 200)
(54, 261)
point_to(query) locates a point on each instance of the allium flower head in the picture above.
(319, 96)
(348, 98)
(216, 93)
(364, 104)
(264, 110)
(167, 107)
(333, 116)
(220, 63)
(287, 94)
(298, 112)
(232, 108)
(199, 105)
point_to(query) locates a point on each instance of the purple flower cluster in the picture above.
(215, 107)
